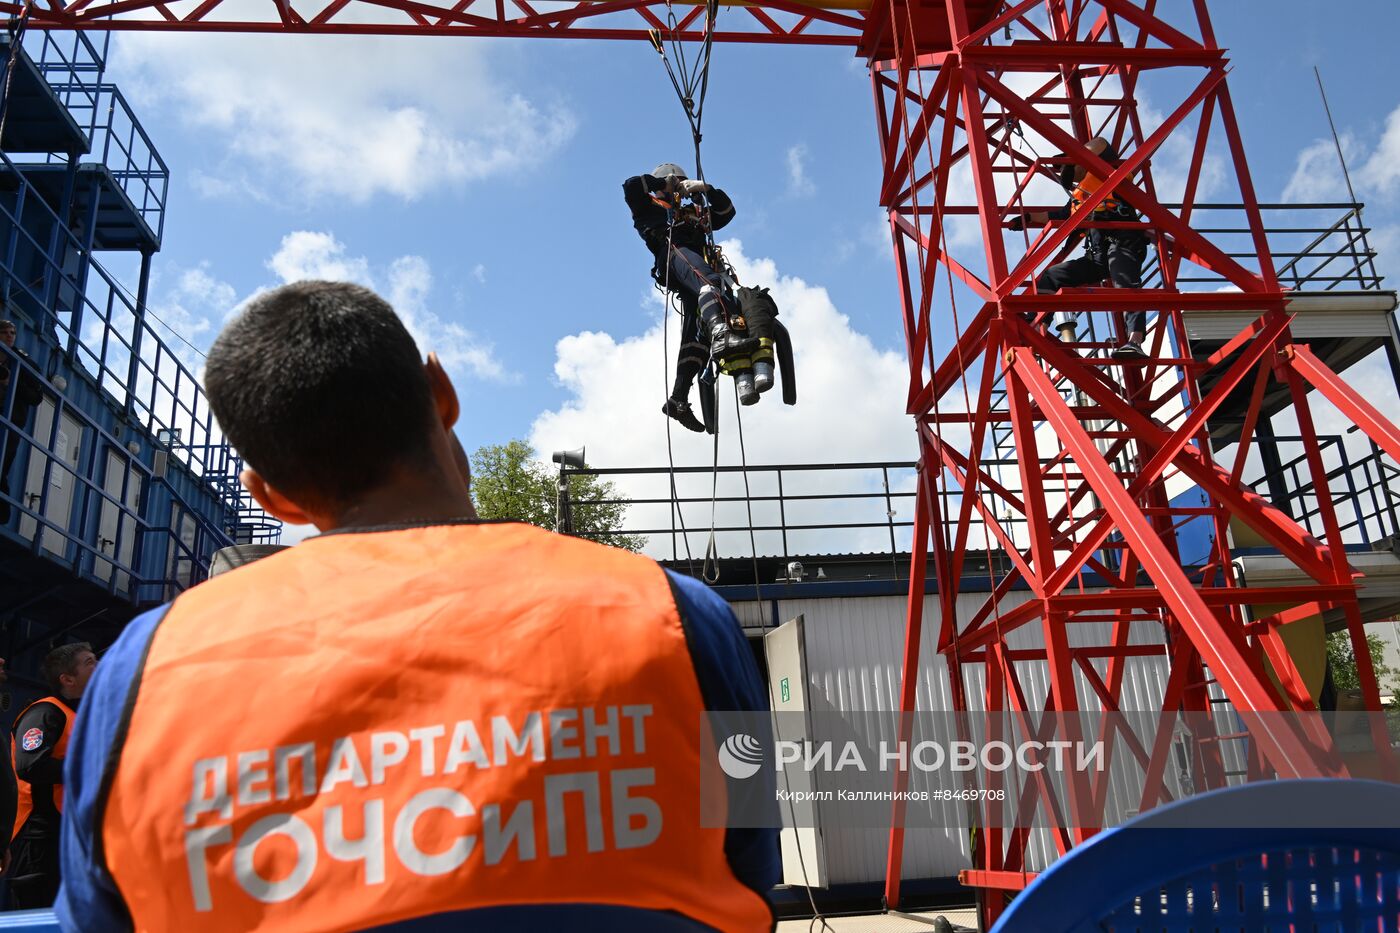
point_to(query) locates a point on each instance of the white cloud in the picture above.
(1375, 170)
(1318, 175)
(1382, 169)
(479, 273)
(799, 183)
(406, 284)
(351, 117)
(190, 302)
(307, 254)
(845, 384)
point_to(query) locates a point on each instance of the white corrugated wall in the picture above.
(854, 649)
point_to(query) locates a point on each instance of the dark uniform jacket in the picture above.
(29, 391)
(39, 768)
(652, 218)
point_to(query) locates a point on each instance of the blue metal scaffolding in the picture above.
(120, 486)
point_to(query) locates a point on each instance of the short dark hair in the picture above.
(321, 389)
(62, 660)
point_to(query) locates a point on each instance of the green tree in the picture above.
(509, 482)
(1343, 662)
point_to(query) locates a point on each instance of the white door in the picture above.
(116, 531)
(58, 507)
(804, 856)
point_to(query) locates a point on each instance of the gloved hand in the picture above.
(1017, 223)
(693, 186)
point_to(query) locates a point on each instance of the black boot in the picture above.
(680, 410)
(725, 344)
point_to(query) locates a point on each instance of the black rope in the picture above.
(676, 510)
(687, 86)
(16, 29)
(693, 85)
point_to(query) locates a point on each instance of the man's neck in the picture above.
(412, 501)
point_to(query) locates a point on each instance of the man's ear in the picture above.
(444, 393)
(273, 502)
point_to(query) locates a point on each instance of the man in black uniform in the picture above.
(28, 392)
(1116, 254)
(39, 744)
(675, 234)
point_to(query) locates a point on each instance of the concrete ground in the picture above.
(965, 919)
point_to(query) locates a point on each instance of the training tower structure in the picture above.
(1081, 472)
(120, 485)
(1082, 468)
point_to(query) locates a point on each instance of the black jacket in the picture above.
(652, 220)
(37, 766)
(29, 392)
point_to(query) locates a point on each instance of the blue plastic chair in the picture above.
(29, 921)
(1223, 861)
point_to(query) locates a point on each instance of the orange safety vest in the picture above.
(377, 726)
(1089, 184)
(60, 751)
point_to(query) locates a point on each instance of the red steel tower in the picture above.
(1047, 450)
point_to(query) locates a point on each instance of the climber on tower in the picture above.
(1108, 253)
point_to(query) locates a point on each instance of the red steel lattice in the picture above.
(1090, 443)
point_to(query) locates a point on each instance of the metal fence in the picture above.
(119, 142)
(1316, 247)
(768, 510)
(1363, 485)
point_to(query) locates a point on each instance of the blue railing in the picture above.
(1363, 487)
(96, 324)
(80, 532)
(68, 55)
(119, 142)
(92, 333)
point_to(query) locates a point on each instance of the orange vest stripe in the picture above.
(60, 751)
(1085, 190)
(377, 726)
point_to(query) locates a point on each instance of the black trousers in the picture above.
(11, 440)
(687, 275)
(34, 872)
(1119, 258)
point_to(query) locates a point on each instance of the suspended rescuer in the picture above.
(669, 213)
(1108, 254)
(38, 748)
(458, 725)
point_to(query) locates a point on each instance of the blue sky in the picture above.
(478, 184)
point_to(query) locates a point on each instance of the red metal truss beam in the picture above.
(1205, 254)
(1168, 452)
(1000, 880)
(841, 27)
(1311, 555)
(1151, 26)
(1066, 833)
(1239, 672)
(1353, 404)
(1038, 56)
